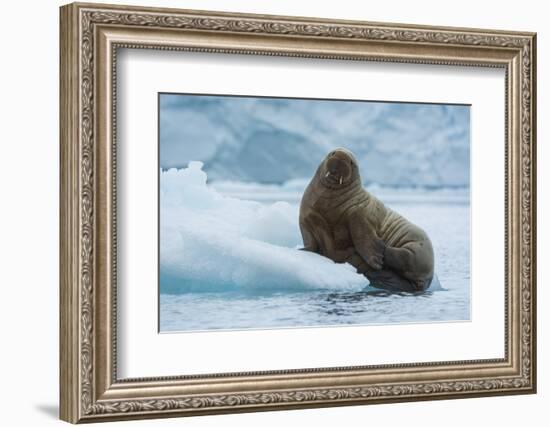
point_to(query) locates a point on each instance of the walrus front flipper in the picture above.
(366, 242)
(391, 281)
(359, 263)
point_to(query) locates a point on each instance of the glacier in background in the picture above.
(276, 140)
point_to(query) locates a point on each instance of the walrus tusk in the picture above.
(341, 180)
(327, 174)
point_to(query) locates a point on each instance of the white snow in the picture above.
(213, 242)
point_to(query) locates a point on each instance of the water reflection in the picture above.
(353, 303)
(268, 310)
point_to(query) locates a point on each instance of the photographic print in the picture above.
(291, 212)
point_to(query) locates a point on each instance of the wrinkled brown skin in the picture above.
(342, 221)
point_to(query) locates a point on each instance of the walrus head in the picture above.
(338, 169)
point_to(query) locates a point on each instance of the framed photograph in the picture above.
(267, 212)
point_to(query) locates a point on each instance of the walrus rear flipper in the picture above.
(391, 281)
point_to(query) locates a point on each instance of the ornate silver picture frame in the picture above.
(92, 36)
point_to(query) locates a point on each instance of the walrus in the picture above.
(339, 219)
